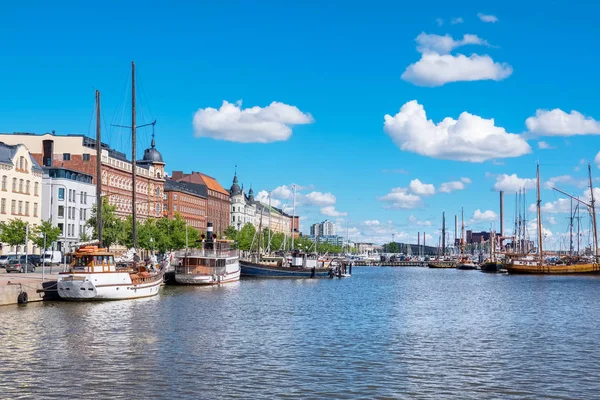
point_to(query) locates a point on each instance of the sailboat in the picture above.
(464, 261)
(442, 262)
(520, 265)
(93, 273)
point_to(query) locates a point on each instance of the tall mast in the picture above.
(571, 230)
(133, 156)
(593, 215)
(269, 244)
(525, 246)
(515, 236)
(443, 233)
(293, 215)
(462, 231)
(98, 172)
(539, 215)
(578, 226)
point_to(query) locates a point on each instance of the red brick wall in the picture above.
(76, 163)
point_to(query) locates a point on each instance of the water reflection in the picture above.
(386, 333)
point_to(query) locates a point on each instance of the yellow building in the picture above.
(20, 188)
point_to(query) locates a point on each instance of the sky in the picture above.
(382, 115)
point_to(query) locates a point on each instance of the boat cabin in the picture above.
(89, 259)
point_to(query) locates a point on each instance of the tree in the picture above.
(45, 234)
(162, 242)
(230, 233)
(112, 226)
(392, 247)
(13, 232)
(246, 236)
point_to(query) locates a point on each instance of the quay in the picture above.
(392, 263)
(18, 288)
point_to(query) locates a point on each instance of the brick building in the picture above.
(78, 153)
(187, 199)
(218, 205)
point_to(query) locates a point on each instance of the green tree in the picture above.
(230, 233)
(392, 247)
(277, 240)
(177, 232)
(112, 226)
(45, 234)
(246, 236)
(13, 232)
(162, 241)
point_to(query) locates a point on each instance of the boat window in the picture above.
(111, 260)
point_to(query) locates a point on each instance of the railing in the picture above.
(216, 252)
(200, 270)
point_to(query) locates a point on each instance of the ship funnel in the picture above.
(209, 231)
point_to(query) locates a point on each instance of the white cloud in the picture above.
(551, 220)
(559, 206)
(320, 199)
(438, 69)
(330, 211)
(567, 180)
(544, 145)
(597, 160)
(533, 231)
(439, 21)
(251, 125)
(432, 43)
(414, 221)
(282, 192)
(558, 123)
(263, 197)
(465, 180)
(512, 183)
(371, 222)
(470, 138)
(487, 17)
(457, 20)
(588, 198)
(449, 187)
(400, 198)
(487, 215)
(422, 189)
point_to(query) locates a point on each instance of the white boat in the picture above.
(214, 264)
(94, 275)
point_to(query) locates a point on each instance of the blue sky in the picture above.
(334, 70)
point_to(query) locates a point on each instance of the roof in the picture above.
(213, 184)
(193, 189)
(7, 154)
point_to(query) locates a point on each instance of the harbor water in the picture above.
(384, 333)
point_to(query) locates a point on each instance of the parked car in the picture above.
(5, 257)
(52, 257)
(35, 259)
(15, 265)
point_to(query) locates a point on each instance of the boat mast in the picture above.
(293, 215)
(578, 227)
(539, 215)
(515, 235)
(443, 233)
(98, 172)
(462, 231)
(593, 206)
(525, 246)
(269, 244)
(571, 230)
(133, 163)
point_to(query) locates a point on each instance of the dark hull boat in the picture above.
(469, 266)
(491, 266)
(441, 264)
(258, 270)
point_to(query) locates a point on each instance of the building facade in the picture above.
(325, 228)
(68, 200)
(218, 201)
(243, 208)
(78, 153)
(187, 199)
(21, 188)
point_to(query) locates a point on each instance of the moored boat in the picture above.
(491, 266)
(94, 275)
(466, 264)
(300, 266)
(215, 263)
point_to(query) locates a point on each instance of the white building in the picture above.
(20, 194)
(325, 228)
(68, 199)
(243, 209)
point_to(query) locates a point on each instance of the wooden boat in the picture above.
(215, 263)
(94, 275)
(301, 266)
(466, 264)
(441, 264)
(518, 265)
(491, 266)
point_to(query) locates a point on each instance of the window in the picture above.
(20, 185)
(175, 196)
(3, 182)
(3, 206)
(175, 207)
(35, 188)
(81, 197)
(66, 156)
(61, 193)
(62, 229)
(26, 208)
(35, 214)
(20, 207)
(86, 157)
(13, 205)
(84, 198)
(27, 185)
(14, 185)
(61, 211)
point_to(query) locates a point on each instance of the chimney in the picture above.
(176, 175)
(501, 213)
(209, 231)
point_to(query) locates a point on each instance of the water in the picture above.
(384, 333)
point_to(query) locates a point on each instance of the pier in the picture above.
(391, 263)
(18, 288)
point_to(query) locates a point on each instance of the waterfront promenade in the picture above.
(13, 284)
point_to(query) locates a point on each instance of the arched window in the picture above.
(25, 165)
(14, 185)
(4, 182)
(27, 184)
(20, 185)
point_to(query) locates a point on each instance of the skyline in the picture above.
(383, 116)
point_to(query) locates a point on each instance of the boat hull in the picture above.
(441, 264)
(491, 267)
(105, 286)
(466, 266)
(589, 268)
(191, 279)
(250, 269)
